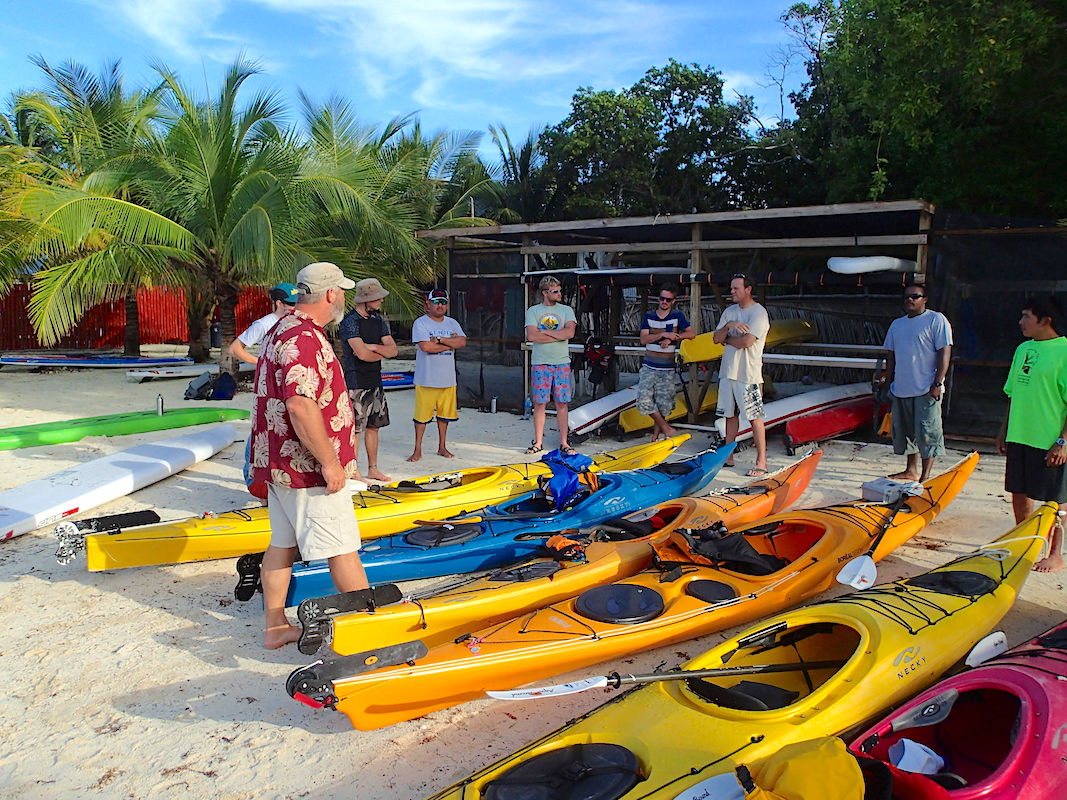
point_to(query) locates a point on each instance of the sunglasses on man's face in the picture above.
(554, 291)
(663, 299)
(914, 296)
(439, 302)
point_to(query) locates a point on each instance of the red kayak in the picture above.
(1000, 728)
(828, 423)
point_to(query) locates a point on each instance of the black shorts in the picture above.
(1026, 473)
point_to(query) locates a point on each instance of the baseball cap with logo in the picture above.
(319, 277)
(437, 294)
(285, 292)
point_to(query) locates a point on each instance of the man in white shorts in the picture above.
(742, 330)
(304, 448)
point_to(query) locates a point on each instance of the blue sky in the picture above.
(461, 64)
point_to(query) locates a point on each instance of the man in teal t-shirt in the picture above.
(550, 326)
(1034, 433)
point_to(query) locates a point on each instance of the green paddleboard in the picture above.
(72, 430)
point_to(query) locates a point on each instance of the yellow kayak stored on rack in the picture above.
(805, 674)
(381, 512)
(787, 558)
(490, 599)
(703, 349)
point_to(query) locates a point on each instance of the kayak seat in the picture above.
(673, 468)
(747, 490)
(620, 604)
(442, 535)
(710, 591)
(735, 553)
(767, 693)
(529, 572)
(961, 583)
(619, 529)
(598, 771)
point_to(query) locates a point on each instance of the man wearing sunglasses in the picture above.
(918, 349)
(436, 337)
(550, 326)
(742, 330)
(661, 330)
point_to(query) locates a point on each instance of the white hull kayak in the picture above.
(862, 264)
(778, 411)
(180, 371)
(84, 486)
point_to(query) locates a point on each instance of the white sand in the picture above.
(152, 683)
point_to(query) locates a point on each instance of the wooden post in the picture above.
(527, 355)
(695, 264)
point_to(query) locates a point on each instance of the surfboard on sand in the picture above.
(47, 501)
(180, 371)
(783, 331)
(89, 361)
(778, 411)
(71, 430)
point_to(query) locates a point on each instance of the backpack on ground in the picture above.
(200, 387)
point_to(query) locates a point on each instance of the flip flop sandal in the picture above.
(568, 451)
(534, 448)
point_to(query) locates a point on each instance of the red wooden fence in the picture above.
(161, 312)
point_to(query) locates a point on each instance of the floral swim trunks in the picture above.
(550, 380)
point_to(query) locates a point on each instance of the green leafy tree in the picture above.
(668, 144)
(959, 102)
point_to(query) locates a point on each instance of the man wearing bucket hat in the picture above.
(283, 298)
(304, 448)
(365, 341)
(436, 337)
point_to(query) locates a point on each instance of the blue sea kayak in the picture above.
(504, 534)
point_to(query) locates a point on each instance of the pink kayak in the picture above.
(1001, 728)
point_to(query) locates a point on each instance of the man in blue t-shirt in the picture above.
(918, 350)
(661, 330)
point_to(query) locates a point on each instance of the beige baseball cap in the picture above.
(323, 275)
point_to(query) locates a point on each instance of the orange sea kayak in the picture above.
(801, 552)
(488, 600)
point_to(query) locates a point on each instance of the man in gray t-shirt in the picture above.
(436, 338)
(918, 350)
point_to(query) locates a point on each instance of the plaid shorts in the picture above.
(370, 408)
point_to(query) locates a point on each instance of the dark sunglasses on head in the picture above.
(439, 302)
(914, 296)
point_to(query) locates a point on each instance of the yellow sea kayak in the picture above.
(796, 555)
(488, 600)
(703, 349)
(381, 512)
(813, 672)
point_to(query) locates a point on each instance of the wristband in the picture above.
(1061, 442)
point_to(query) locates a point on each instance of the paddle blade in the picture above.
(718, 787)
(992, 645)
(859, 573)
(550, 691)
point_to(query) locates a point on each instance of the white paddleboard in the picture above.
(181, 371)
(861, 264)
(79, 488)
(779, 411)
(587, 418)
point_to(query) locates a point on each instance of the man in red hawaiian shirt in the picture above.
(303, 448)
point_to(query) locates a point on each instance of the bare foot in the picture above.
(669, 432)
(378, 475)
(904, 476)
(1054, 563)
(415, 456)
(445, 454)
(280, 636)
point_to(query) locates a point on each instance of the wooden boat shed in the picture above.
(496, 269)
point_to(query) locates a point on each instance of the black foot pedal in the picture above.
(248, 574)
(315, 612)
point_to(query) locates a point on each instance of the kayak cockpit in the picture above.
(776, 668)
(757, 551)
(964, 737)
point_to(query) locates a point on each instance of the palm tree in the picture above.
(70, 212)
